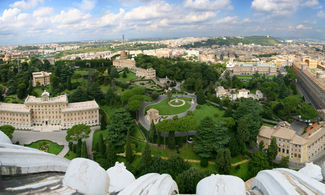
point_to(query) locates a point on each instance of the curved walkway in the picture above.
(142, 111)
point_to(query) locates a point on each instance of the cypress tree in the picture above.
(70, 146)
(101, 145)
(103, 123)
(272, 150)
(171, 140)
(261, 146)
(110, 155)
(227, 165)
(84, 153)
(78, 148)
(128, 150)
(146, 158)
(153, 133)
(220, 160)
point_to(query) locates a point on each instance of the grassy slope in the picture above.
(54, 148)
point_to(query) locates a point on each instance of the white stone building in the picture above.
(49, 113)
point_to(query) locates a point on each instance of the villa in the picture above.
(234, 94)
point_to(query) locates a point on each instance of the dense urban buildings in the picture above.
(48, 113)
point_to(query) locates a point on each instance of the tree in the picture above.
(270, 89)
(128, 150)
(153, 133)
(291, 103)
(78, 132)
(110, 155)
(146, 159)
(210, 137)
(258, 162)
(284, 163)
(220, 160)
(103, 123)
(177, 165)
(234, 145)
(261, 146)
(308, 112)
(188, 180)
(84, 153)
(113, 73)
(78, 147)
(101, 145)
(171, 140)
(227, 161)
(200, 96)
(242, 131)
(21, 91)
(8, 130)
(272, 150)
(120, 123)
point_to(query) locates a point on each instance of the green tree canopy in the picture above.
(258, 162)
(78, 132)
(188, 180)
(8, 130)
(308, 111)
(120, 123)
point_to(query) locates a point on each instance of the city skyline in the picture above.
(41, 21)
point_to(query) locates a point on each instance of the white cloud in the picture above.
(228, 20)
(276, 7)
(43, 11)
(28, 4)
(9, 14)
(302, 27)
(71, 16)
(311, 3)
(87, 4)
(321, 14)
(207, 4)
(151, 11)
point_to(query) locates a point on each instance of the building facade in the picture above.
(149, 73)
(49, 113)
(250, 68)
(298, 148)
(123, 62)
(41, 78)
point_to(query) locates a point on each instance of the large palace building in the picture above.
(299, 148)
(49, 113)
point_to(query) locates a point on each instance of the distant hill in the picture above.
(257, 40)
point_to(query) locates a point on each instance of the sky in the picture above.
(43, 21)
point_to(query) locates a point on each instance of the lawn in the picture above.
(53, 148)
(241, 171)
(137, 134)
(268, 124)
(165, 109)
(129, 76)
(109, 109)
(70, 155)
(13, 99)
(208, 111)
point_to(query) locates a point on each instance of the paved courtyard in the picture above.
(27, 137)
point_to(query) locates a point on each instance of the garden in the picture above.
(46, 146)
(165, 108)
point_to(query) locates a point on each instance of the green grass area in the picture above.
(238, 158)
(137, 134)
(165, 109)
(268, 124)
(96, 136)
(81, 72)
(208, 111)
(130, 76)
(109, 109)
(70, 155)
(53, 148)
(242, 172)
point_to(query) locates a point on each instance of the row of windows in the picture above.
(14, 114)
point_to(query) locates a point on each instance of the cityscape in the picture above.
(159, 97)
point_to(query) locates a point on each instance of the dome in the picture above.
(45, 93)
(4, 138)
(119, 177)
(221, 184)
(313, 171)
(87, 177)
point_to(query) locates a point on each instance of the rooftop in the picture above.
(13, 107)
(81, 106)
(58, 99)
